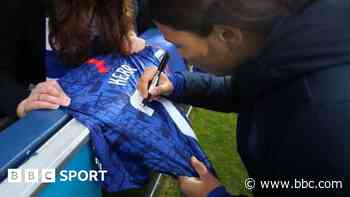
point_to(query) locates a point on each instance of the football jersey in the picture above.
(130, 140)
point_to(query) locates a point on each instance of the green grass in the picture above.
(217, 137)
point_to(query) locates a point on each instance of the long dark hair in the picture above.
(199, 16)
(72, 23)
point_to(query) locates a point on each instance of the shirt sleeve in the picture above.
(205, 90)
(219, 192)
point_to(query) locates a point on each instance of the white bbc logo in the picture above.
(31, 175)
(14, 175)
(48, 175)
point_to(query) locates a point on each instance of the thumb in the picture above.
(200, 168)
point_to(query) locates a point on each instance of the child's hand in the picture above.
(136, 44)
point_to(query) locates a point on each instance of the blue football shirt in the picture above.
(130, 140)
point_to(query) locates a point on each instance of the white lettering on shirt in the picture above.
(121, 76)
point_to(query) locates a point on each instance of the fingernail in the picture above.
(153, 91)
(67, 101)
(56, 107)
(194, 159)
(186, 178)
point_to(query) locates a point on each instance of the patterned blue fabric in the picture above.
(128, 143)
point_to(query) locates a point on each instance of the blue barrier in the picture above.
(20, 140)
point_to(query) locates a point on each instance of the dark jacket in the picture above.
(293, 101)
(21, 51)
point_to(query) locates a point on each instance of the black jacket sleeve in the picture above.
(206, 91)
(219, 192)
